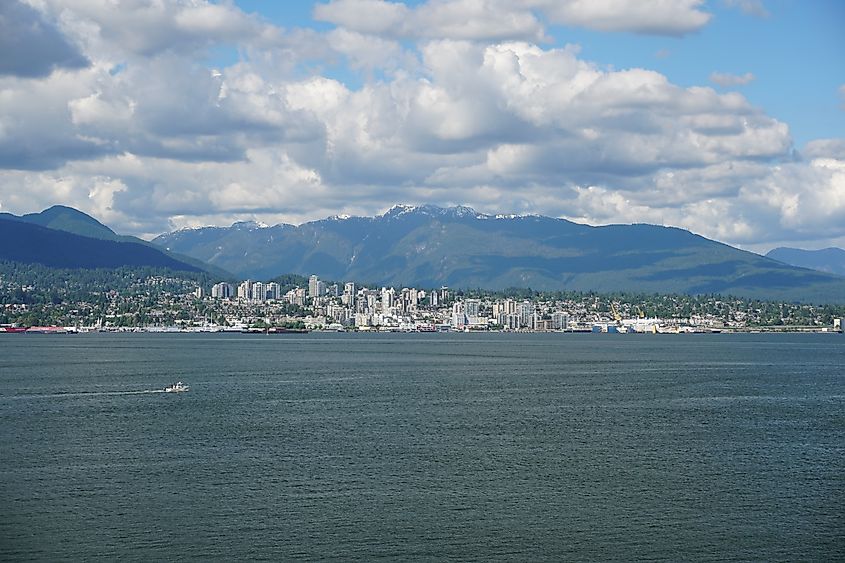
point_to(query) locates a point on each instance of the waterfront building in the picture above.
(505, 306)
(472, 310)
(459, 318)
(525, 311)
(560, 321)
(337, 313)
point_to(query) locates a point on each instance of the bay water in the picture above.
(524, 447)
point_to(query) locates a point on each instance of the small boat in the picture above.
(177, 387)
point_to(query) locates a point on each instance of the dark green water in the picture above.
(470, 447)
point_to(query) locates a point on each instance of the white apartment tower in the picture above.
(274, 291)
(245, 290)
(472, 310)
(221, 290)
(313, 287)
(348, 297)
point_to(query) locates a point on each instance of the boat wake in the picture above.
(85, 394)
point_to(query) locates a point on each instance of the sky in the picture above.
(724, 117)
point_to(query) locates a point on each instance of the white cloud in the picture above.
(825, 148)
(369, 52)
(660, 17)
(454, 19)
(727, 80)
(476, 20)
(162, 141)
(365, 16)
(498, 20)
(37, 131)
(31, 45)
(115, 30)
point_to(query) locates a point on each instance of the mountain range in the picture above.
(62, 237)
(429, 246)
(831, 260)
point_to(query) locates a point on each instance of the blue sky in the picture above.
(797, 55)
(725, 117)
(796, 52)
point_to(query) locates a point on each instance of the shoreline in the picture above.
(64, 331)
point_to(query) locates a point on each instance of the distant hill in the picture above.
(68, 219)
(429, 246)
(831, 260)
(21, 241)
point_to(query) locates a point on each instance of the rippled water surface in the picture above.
(471, 447)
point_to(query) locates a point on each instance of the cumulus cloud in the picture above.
(32, 46)
(454, 19)
(36, 131)
(727, 80)
(365, 16)
(660, 17)
(498, 20)
(825, 148)
(370, 52)
(110, 29)
(451, 110)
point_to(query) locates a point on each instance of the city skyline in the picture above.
(721, 117)
(174, 304)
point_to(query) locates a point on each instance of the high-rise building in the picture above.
(337, 313)
(299, 297)
(525, 311)
(259, 292)
(459, 318)
(372, 300)
(388, 299)
(560, 321)
(296, 296)
(222, 290)
(444, 294)
(504, 307)
(348, 297)
(245, 290)
(407, 300)
(274, 291)
(313, 287)
(472, 310)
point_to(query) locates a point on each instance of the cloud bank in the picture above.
(457, 102)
